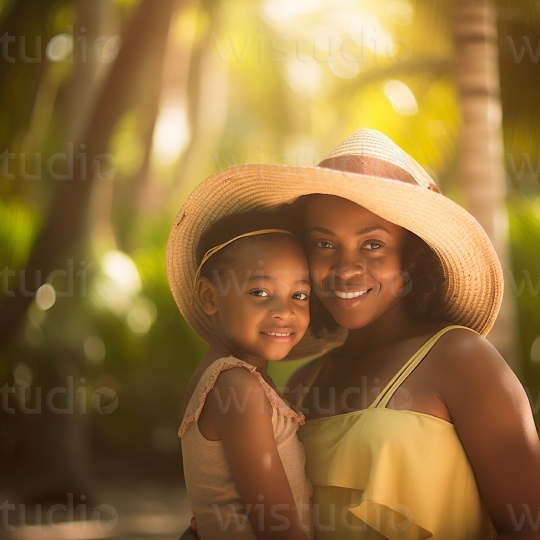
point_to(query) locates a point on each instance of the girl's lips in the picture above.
(281, 335)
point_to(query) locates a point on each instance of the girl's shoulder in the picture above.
(237, 387)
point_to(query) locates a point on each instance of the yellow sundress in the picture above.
(383, 473)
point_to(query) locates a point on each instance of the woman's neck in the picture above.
(393, 326)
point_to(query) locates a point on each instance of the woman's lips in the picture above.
(349, 294)
(353, 299)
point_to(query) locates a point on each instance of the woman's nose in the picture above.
(348, 264)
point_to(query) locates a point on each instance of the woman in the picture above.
(415, 428)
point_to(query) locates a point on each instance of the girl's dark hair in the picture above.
(425, 283)
(233, 225)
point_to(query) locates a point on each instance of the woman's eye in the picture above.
(260, 293)
(374, 245)
(324, 244)
(300, 296)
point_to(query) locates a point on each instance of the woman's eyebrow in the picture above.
(369, 229)
(357, 233)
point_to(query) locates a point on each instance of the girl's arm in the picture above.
(493, 418)
(241, 416)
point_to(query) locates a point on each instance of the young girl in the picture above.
(243, 463)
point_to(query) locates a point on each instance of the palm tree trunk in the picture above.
(481, 164)
(65, 224)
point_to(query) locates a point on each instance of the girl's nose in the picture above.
(282, 309)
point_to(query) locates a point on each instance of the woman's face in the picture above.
(354, 260)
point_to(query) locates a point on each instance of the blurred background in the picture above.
(111, 113)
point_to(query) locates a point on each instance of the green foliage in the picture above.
(19, 224)
(524, 217)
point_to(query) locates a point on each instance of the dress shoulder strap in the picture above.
(384, 397)
(208, 380)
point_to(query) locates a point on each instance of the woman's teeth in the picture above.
(356, 294)
(278, 334)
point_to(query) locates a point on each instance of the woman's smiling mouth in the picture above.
(349, 295)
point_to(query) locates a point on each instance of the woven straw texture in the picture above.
(471, 267)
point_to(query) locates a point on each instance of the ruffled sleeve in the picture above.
(208, 380)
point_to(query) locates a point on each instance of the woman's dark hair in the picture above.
(425, 283)
(233, 225)
(423, 268)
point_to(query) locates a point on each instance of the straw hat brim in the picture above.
(471, 267)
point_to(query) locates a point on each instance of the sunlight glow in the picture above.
(304, 77)
(400, 12)
(118, 283)
(122, 270)
(171, 134)
(401, 97)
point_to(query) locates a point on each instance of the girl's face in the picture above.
(260, 306)
(354, 260)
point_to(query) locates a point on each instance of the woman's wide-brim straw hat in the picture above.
(372, 171)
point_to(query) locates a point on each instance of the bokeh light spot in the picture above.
(94, 349)
(401, 97)
(59, 47)
(22, 375)
(45, 297)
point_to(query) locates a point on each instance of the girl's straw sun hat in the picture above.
(372, 171)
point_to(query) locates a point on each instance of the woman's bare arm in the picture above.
(494, 421)
(245, 429)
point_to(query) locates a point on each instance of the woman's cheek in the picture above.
(398, 283)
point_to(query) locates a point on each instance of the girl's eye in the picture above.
(324, 244)
(261, 293)
(300, 296)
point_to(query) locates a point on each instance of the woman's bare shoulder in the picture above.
(471, 370)
(461, 352)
